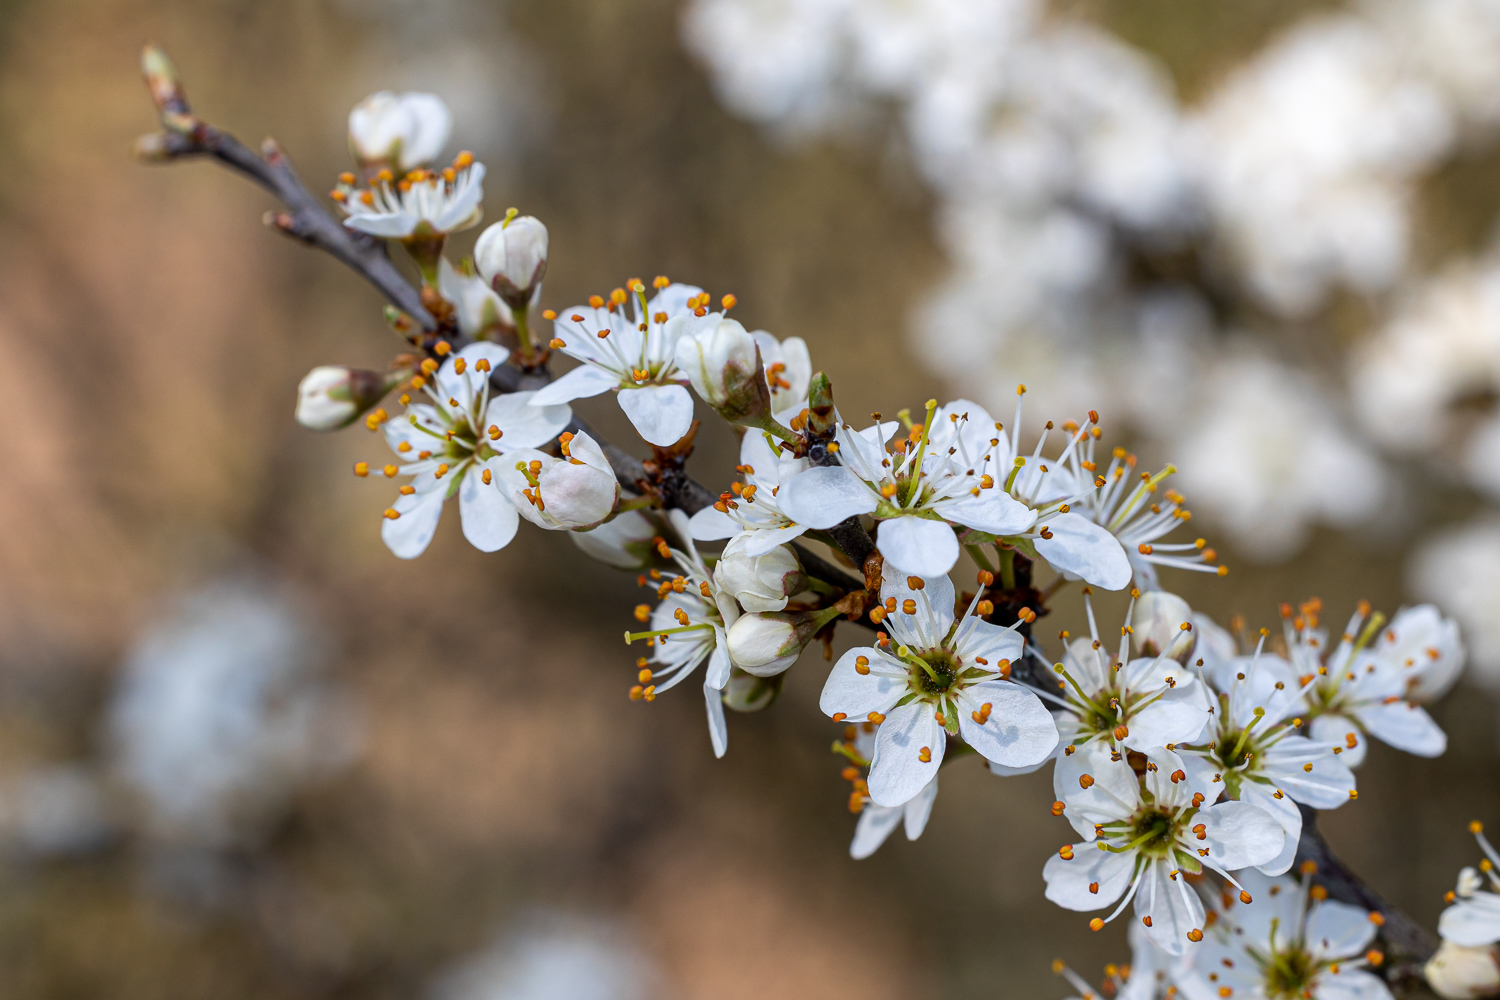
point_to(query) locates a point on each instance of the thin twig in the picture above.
(186, 135)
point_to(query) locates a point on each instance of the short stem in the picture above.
(1008, 568)
(977, 554)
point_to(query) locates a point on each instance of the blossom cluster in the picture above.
(1183, 754)
(1112, 237)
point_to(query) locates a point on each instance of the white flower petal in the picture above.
(876, 824)
(409, 535)
(1472, 922)
(994, 511)
(854, 694)
(710, 525)
(1068, 881)
(1019, 731)
(918, 546)
(897, 771)
(1404, 726)
(919, 810)
(1240, 835)
(718, 729)
(1285, 811)
(489, 518)
(523, 422)
(1083, 548)
(580, 383)
(1351, 984)
(823, 496)
(1335, 730)
(661, 414)
(1339, 930)
(392, 225)
(1172, 905)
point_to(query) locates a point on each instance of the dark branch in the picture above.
(1399, 931)
(305, 218)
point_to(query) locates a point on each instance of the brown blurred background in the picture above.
(155, 333)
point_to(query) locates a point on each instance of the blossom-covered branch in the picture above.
(1188, 758)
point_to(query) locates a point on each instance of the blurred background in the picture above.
(245, 753)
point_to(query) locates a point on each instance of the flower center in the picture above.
(932, 672)
(1153, 831)
(1289, 973)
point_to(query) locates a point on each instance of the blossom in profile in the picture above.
(423, 204)
(452, 446)
(751, 507)
(1144, 833)
(934, 676)
(400, 131)
(687, 628)
(1286, 938)
(1351, 697)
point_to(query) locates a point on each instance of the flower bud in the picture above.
(330, 396)
(766, 643)
(1463, 973)
(761, 582)
(1156, 625)
(402, 131)
(723, 363)
(512, 257)
(748, 693)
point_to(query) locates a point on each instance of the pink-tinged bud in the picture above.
(330, 397)
(512, 257)
(401, 131)
(724, 365)
(760, 582)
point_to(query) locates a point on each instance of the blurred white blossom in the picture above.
(1459, 570)
(220, 714)
(554, 957)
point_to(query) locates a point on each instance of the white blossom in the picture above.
(1143, 834)
(423, 205)
(935, 677)
(955, 468)
(404, 131)
(632, 351)
(1118, 700)
(688, 627)
(1353, 694)
(479, 311)
(331, 396)
(1460, 570)
(762, 581)
(1254, 752)
(453, 446)
(577, 491)
(753, 507)
(1291, 941)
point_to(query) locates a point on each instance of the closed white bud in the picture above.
(512, 257)
(748, 693)
(401, 131)
(724, 365)
(1156, 625)
(1463, 973)
(759, 582)
(331, 396)
(766, 643)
